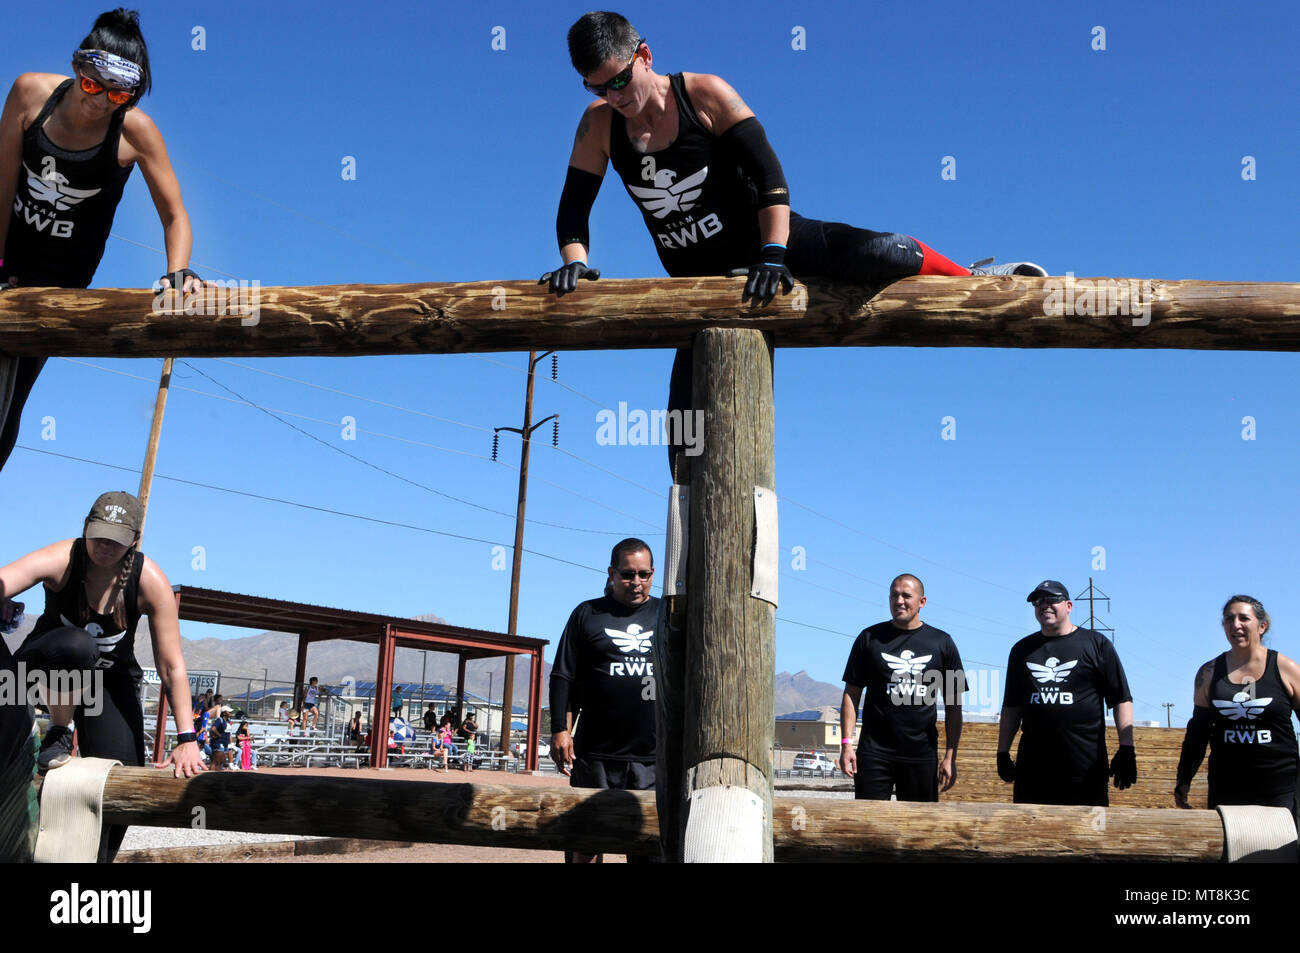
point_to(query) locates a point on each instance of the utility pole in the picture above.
(1169, 708)
(526, 433)
(1095, 595)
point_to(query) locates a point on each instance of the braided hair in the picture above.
(117, 604)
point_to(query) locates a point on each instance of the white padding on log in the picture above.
(679, 521)
(72, 812)
(767, 551)
(724, 826)
(1257, 834)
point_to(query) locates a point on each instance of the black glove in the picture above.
(769, 275)
(176, 278)
(566, 278)
(1006, 767)
(1124, 767)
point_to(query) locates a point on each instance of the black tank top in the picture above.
(1252, 741)
(63, 205)
(696, 200)
(116, 645)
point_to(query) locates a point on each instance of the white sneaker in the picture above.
(1026, 268)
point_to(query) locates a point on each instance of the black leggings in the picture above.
(109, 718)
(825, 250)
(28, 369)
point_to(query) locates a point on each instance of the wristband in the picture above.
(185, 737)
(846, 741)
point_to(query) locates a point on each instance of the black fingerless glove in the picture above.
(566, 278)
(769, 274)
(177, 278)
(1006, 767)
(1124, 767)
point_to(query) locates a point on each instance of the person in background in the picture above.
(1244, 701)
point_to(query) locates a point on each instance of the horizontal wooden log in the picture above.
(643, 313)
(549, 818)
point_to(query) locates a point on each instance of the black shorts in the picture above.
(611, 774)
(878, 778)
(1047, 786)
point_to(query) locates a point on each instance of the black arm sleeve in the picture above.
(580, 189)
(759, 161)
(1194, 742)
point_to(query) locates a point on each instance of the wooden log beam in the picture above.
(553, 818)
(661, 312)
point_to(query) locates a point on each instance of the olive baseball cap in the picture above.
(117, 516)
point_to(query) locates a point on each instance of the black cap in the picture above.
(1049, 587)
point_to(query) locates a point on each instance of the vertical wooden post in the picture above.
(155, 432)
(727, 727)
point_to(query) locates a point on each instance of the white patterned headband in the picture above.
(111, 67)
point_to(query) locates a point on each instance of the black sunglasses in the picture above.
(630, 574)
(619, 80)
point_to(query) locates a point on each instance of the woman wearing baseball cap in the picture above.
(67, 148)
(96, 589)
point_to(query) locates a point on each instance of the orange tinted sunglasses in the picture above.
(93, 87)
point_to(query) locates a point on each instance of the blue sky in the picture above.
(1125, 161)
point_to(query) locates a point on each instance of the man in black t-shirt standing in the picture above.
(903, 664)
(604, 675)
(1057, 681)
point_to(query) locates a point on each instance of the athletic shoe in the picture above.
(56, 749)
(1027, 268)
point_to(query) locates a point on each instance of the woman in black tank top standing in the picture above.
(1244, 701)
(83, 646)
(67, 147)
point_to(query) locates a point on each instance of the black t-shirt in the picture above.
(904, 671)
(1059, 684)
(604, 655)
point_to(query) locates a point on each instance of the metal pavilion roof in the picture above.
(320, 623)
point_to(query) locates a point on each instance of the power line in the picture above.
(375, 433)
(308, 506)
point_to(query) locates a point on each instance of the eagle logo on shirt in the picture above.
(669, 197)
(907, 665)
(635, 639)
(53, 188)
(105, 643)
(1242, 707)
(1053, 670)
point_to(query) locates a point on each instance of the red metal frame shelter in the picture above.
(313, 623)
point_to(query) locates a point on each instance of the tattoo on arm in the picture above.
(736, 104)
(584, 127)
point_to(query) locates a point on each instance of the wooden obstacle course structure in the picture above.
(551, 818)
(720, 710)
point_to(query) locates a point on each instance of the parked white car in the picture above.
(814, 761)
